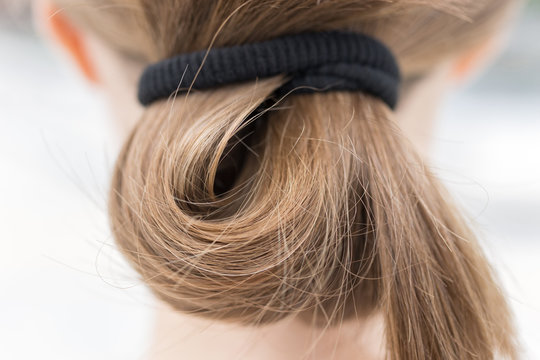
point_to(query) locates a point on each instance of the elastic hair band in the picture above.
(315, 61)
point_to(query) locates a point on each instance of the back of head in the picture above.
(318, 207)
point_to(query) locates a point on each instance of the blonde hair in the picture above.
(318, 207)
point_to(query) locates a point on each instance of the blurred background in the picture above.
(65, 293)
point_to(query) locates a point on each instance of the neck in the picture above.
(182, 336)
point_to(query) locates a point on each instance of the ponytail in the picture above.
(330, 211)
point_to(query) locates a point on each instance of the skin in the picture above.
(182, 336)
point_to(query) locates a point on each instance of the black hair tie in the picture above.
(316, 61)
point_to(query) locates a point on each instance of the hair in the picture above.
(318, 206)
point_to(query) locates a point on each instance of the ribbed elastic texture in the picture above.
(316, 61)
